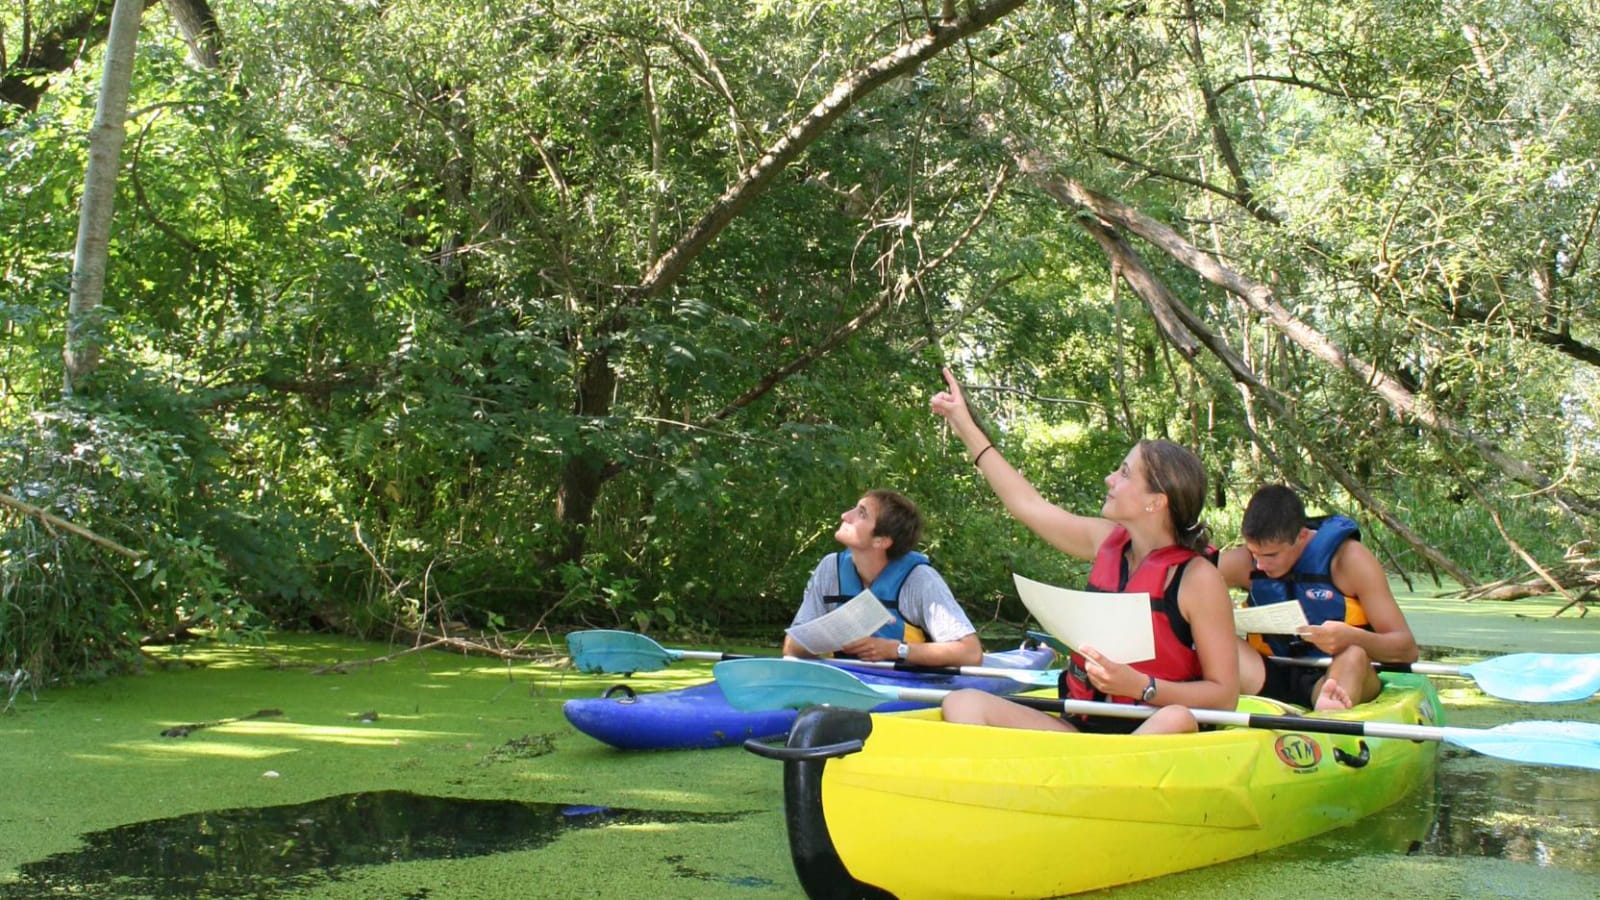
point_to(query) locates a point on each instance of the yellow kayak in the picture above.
(923, 809)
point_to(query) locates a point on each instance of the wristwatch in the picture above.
(903, 651)
(1149, 691)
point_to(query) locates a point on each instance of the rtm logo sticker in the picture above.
(1298, 751)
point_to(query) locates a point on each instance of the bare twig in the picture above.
(14, 683)
(52, 522)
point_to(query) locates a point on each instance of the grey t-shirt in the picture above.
(925, 601)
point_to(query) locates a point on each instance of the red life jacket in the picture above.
(1176, 658)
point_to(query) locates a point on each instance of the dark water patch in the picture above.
(1542, 815)
(1436, 653)
(258, 852)
(683, 869)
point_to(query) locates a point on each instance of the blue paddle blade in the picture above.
(763, 684)
(1051, 641)
(616, 652)
(1538, 677)
(1575, 744)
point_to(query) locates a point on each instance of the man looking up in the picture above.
(879, 534)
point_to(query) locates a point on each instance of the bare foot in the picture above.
(1332, 696)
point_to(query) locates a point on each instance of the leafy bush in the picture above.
(71, 607)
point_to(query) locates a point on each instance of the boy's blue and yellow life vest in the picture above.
(1310, 582)
(886, 587)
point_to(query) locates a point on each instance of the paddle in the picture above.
(626, 652)
(1525, 677)
(752, 684)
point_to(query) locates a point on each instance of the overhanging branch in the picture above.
(846, 93)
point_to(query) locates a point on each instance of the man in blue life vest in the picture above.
(929, 629)
(1341, 586)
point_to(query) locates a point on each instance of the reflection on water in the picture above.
(1542, 815)
(256, 851)
(1487, 829)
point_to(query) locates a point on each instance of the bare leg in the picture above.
(1252, 669)
(1352, 668)
(1171, 720)
(971, 707)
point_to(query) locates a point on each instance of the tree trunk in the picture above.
(82, 351)
(22, 84)
(198, 25)
(585, 470)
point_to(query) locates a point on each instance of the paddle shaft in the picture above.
(1039, 677)
(708, 654)
(1420, 668)
(1205, 716)
(752, 684)
(1523, 677)
(607, 650)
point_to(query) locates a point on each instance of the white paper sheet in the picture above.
(856, 619)
(1117, 625)
(1273, 618)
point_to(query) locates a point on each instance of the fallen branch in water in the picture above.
(1577, 579)
(484, 645)
(184, 730)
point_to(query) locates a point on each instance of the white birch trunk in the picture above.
(82, 351)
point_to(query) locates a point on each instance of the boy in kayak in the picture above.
(879, 534)
(1147, 538)
(1322, 565)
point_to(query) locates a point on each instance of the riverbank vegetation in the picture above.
(414, 317)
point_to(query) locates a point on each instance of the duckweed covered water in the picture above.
(78, 763)
(1481, 810)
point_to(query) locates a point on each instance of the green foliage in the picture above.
(70, 608)
(378, 348)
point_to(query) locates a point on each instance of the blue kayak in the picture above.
(699, 716)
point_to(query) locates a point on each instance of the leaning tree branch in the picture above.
(1146, 286)
(1341, 91)
(52, 522)
(704, 66)
(1130, 261)
(1259, 298)
(966, 312)
(1220, 139)
(1177, 177)
(846, 93)
(1561, 341)
(579, 475)
(1494, 515)
(886, 299)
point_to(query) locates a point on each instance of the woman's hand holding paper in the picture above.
(1109, 676)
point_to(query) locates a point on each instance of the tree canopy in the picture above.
(532, 314)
